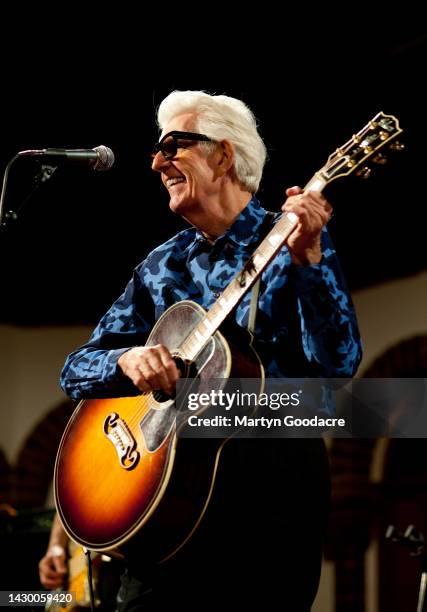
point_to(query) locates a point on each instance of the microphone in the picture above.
(99, 158)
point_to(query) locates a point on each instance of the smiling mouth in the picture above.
(174, 181)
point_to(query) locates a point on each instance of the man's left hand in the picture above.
(313, 212)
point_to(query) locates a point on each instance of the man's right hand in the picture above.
(52, 568)
(150, 368)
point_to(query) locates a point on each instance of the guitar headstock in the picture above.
(369, 144)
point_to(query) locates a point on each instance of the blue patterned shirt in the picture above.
(306, 324)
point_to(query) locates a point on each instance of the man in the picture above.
(260, 541)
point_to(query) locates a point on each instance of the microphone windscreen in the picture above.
(105, 158)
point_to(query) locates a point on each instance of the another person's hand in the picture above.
(52, 568)
(313, 211)
(150, 368)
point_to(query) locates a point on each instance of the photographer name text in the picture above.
(264, 422)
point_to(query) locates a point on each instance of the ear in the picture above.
(225, 156)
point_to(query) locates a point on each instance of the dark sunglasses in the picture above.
(170, 143)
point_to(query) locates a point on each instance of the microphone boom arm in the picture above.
(46, 172)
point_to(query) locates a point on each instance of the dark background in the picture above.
(78, 237)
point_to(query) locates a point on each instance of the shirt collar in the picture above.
(244, 228)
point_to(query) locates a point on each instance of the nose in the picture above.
(159, 162)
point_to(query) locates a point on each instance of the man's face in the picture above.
(189, 176)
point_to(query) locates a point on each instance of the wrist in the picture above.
(308, 257)
(122, 360)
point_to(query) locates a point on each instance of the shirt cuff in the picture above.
(112, 370)
(306, 278)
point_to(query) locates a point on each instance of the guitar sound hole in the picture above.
(161, 396)
(183, 367)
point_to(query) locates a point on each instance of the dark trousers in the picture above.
(260, 542)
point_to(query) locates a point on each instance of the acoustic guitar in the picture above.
(123, 477)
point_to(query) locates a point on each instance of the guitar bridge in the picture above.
(119, 434)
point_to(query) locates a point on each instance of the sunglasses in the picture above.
(171, 142)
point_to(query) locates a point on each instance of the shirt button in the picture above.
(216, 294)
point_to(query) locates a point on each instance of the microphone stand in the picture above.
(45, 173)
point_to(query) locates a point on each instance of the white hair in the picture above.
(220, 118)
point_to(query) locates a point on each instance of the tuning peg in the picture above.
(380, 159)
(397, 146)
(364, 172)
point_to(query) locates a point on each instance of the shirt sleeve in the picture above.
(329, 330)
(91, 371)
